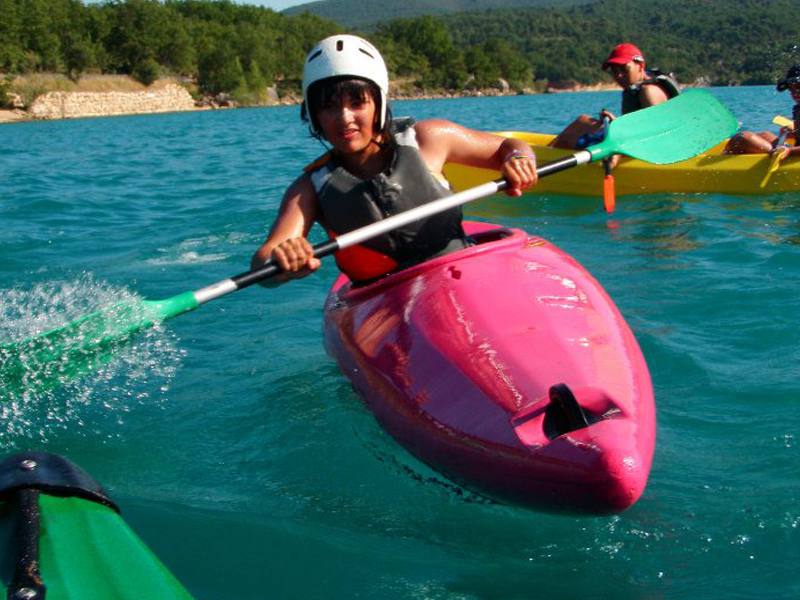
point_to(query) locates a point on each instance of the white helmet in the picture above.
(340, 55)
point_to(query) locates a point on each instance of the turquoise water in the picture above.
(244, 460)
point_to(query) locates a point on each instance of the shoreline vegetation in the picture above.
(52, 96)
(70, 58)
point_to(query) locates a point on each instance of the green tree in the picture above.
(140, 29)
(511, 64)
(429, 37)
(481, 66)
(219, 70)
(146, 70)
(40, 24)
(177, 52)
(5, 89)
(11, 45)
(256, 81)
(78, 54)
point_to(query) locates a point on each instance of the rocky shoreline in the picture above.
(173, 97)
(72, 105)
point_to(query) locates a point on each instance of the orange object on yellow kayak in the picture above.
(609, 197)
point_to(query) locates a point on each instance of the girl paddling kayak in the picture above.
(377, 166)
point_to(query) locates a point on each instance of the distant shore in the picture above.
(13, 116)
(168, 96)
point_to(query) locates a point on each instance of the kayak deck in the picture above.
(710, 172)
(456, 358)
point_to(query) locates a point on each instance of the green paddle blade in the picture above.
(672, 131)
(88, 551)
(43, 361)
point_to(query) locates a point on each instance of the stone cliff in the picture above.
(68, 105)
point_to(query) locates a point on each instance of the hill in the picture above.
(254, 54)
(712, 41)
(365, 14)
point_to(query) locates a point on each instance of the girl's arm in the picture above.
(443, 141)
(287, 242)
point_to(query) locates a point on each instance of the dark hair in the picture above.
(792, 77)
(324, 92)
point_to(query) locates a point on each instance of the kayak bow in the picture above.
(507, 368)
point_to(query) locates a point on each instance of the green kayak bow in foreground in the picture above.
(63, 539)
(669, 132)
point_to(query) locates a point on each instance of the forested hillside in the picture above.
(366, 13)
(241, 49)
(222, 45)
(723, 42)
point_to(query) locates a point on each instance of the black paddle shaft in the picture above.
(557, 166)
(271, 267)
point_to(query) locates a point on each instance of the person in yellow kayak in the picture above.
(748, 142)
(641, 87)
(377, 166)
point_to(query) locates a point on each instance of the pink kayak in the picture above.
(507, 368)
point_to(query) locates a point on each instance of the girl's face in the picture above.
(347, 121)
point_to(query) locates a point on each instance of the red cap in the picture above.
(622, 54)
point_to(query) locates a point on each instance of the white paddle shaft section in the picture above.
(215, 290)
(415, 214)
(442, 204)
(346, 240)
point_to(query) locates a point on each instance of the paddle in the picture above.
(609, 194)
(777, 157)
(783, 122)
(774, 162)
(669, 132)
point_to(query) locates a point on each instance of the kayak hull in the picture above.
(710, 172)
(456, 358)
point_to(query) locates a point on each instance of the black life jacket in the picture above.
(347, 202)
(666, 81)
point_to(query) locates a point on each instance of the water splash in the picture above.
(78, 389)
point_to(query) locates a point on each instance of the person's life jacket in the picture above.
(347, 202)
(666, 81)
(793, 137)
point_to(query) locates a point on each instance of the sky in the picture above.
(273, 4)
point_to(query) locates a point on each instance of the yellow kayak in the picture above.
(712, 171)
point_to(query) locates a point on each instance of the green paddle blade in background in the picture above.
(670, 132)
(41, 362)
